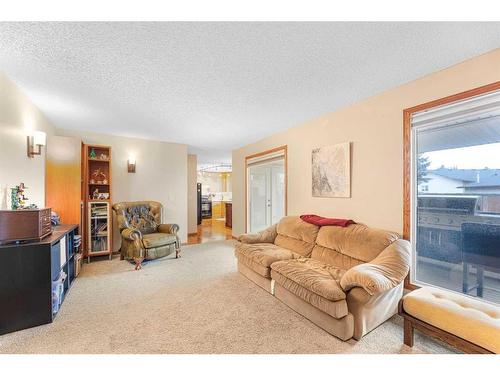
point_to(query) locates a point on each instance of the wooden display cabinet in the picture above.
(97, 196)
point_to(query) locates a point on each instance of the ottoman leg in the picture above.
(408, 333)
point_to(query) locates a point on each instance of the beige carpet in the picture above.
(195, 304)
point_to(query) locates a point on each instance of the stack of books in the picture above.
(99, 244)
(77, 241)
(100, 229)
(99, 211)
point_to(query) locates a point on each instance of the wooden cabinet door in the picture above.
(63, 178)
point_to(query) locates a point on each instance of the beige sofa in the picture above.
(346, 280)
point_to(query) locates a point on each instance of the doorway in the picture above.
(266, 186)
(214, 204)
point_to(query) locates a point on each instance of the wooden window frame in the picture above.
(407, 113)
(283, 148)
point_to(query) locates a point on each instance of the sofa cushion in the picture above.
(337, 309)
(314, 276)
(313, 282)
(334, 258)
(296, 235)
(356, 241)
(152, 240)
(259, 257)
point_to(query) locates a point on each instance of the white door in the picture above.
(266, 194)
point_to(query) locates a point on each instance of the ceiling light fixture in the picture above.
(223, 167)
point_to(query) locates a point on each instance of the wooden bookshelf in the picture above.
(97, 194)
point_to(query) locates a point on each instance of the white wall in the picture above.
(229, 182)
(161, 174)
(192, 198)
(17, 113)
(440, 185)
(484, 190)
(210, 183)
(375, 128)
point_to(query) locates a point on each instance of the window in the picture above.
(452, 213)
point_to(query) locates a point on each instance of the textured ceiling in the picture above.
(218, 86)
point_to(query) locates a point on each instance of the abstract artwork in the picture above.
(331, 171)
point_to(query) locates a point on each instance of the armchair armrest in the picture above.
(131, 234)
(383, 273)
(266, 236)
(168, 228)
(172, 229)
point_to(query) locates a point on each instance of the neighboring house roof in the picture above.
(477, 178)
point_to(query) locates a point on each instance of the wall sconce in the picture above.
(131, 164)
(35, 142)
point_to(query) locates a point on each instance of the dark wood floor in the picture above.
(210, 230)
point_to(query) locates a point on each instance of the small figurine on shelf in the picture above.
(98, 177)
(95, 194)
(104, 157)
(92, 154)
(18, 199)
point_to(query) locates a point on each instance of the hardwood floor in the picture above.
(210, 230)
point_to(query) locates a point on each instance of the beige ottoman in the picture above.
(470, 325)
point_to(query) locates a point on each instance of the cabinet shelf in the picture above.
(98, 253)
(99, 160)
(28, 298)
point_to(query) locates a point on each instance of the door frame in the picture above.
(407, 156)
(283, 148)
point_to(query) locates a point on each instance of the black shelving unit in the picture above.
(27, 273)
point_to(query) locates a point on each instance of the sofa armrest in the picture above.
(266, 236)
(168, 228)
(383, 273)
(131, 234)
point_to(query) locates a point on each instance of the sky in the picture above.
(473, 157)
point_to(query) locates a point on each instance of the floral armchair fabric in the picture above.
(143, 235)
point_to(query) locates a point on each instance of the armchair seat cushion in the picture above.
(314, 282)
(259, 257)
(153, 240)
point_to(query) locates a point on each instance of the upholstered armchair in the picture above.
(143, 236)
